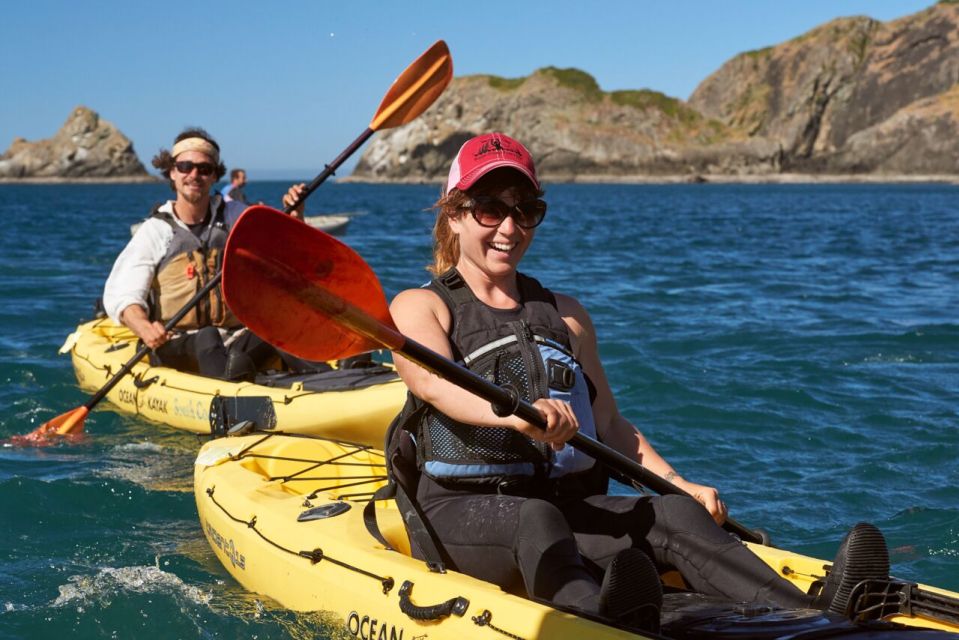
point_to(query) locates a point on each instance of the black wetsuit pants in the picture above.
(203, 352)
(556, 550)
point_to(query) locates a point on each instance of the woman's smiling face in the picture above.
(495, 251)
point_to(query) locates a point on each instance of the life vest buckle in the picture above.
(560, 376)
(453, 280)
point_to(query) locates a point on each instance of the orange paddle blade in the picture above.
(303, 290)
(66, 424)
(416, 88)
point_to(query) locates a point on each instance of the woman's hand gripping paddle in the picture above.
(410, 95)
(308, 293)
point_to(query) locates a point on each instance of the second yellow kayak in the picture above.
(355, 404)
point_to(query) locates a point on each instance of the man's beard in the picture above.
(193, 197)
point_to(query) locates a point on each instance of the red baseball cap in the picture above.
(480, 155)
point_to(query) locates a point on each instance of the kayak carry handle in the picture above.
(140, 383)
(454, 606)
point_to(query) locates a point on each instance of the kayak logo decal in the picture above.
(368, 628)
(496, 146)
(127, 397)
(196, 409)
(226, 546)
(156, 404)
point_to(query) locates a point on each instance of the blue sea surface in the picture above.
(796, 346)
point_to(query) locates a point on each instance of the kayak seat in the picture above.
(420, 540)
(332, 380)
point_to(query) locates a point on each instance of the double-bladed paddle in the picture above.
(410, 95)
(308, 293)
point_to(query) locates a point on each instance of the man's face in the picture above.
(241, 179)
(193, 185)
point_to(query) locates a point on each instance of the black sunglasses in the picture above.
(490, 212)
(203, 168)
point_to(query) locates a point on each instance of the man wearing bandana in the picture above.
(177, 250)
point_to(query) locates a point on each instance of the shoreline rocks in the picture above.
(85, 148)
(769, 178)
(145, 179)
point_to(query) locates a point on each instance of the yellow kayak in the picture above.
(284, 514)
(357, 403)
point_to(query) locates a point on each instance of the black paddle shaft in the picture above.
(331, 168)
(506, 401)
(143, 350)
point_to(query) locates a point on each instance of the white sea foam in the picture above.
(111, 581)
(144, 446)
(150, 465)
(945, 552)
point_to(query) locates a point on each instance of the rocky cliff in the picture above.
(85, 147)
(574, 129)
(853, 96)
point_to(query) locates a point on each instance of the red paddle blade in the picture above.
(68, 424)
(303, 290)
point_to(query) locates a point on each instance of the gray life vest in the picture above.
(527, 348)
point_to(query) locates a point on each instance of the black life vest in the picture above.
(527, 348)
(477, 325)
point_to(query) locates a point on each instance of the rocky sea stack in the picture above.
(86, 147)
(853, 97)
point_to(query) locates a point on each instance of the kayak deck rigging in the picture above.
(315, 555)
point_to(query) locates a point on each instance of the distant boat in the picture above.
(333, 223)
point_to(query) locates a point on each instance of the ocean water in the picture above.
(795, 346)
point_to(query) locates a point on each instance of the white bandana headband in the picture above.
(196, 144)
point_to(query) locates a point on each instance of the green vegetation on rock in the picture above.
(576, 80)
(646, 98)
(505, 84)
(751, 108)
(858, 46)
(758, 53)
(757, 58)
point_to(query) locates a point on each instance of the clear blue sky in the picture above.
(285, 86)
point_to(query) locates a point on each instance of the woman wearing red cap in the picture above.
(508, 502)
